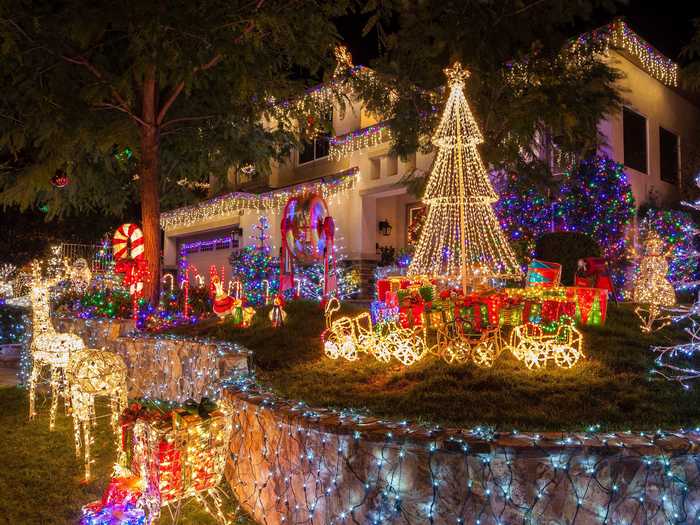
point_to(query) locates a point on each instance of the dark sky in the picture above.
(667, 25)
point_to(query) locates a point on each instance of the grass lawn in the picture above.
(41, 481)
(612, 387)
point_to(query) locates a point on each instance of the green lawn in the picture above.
(41, 481)
(612, 387)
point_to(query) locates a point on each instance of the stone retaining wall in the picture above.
(169, 368)
(289, 464)
(97, 333)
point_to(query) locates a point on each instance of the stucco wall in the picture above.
(662, 106)
(293, 464)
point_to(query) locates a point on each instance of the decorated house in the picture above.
(652, 136)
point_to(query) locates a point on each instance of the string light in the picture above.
(461, 236)
(594, 198)
(7, 271)
(343, 145)
(165, 366)
(456, 346)
(530, 344)
(231, 204)
(173, 457)
(346, 337)
(619, 35)
(677, 230)
(675, 362)
(290, 461)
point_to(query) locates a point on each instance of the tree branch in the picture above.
(208, 65)
(185, 119)
(123, 105)
(181, 85)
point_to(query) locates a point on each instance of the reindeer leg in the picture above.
(36, 368)
(117, 405)
(55, 392)
(76, 423)
(66, 393)
(87, 439)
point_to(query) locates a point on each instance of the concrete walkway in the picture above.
(8, 376)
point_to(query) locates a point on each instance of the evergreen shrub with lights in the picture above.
(14, 325)
(595, 198)
(677, 230)
(254, 266)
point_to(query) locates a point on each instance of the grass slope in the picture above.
(41, 480)
(612, 387)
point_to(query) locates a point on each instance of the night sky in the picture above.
(667, 25)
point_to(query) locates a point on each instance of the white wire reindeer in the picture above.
(49, 349)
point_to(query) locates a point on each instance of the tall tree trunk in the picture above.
(149, 174)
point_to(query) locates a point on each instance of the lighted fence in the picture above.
(92, 253)
(292, 465)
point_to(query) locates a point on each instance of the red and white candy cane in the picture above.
(127, 242)
(128, 249)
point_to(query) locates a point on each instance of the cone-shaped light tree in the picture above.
(461, 237)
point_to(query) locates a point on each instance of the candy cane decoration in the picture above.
(185, 286)
(237, 289)
(266, 290)
(127, 243)
(212, 276)
(129, 253)
(169, 278)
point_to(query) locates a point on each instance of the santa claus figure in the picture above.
(224, 304)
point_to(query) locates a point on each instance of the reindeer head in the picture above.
(41, 288)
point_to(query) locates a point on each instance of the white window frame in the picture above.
(315, 159)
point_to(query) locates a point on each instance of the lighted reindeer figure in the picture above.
(48, 348)
(93, 373)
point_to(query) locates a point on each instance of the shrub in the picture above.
(566, 248)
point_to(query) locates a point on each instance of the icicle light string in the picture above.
(232, 203)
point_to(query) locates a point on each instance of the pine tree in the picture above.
(461, 236)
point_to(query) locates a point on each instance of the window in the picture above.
(634, 128)
(318, 147)
(668, 154)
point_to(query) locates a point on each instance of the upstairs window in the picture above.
(634, 128)
(317, 148)
(668, 156)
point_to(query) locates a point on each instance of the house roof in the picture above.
(231, 204)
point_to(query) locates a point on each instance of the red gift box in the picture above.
(383, 286)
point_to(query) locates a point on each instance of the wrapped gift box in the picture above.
(181, 458)
(543, 273)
